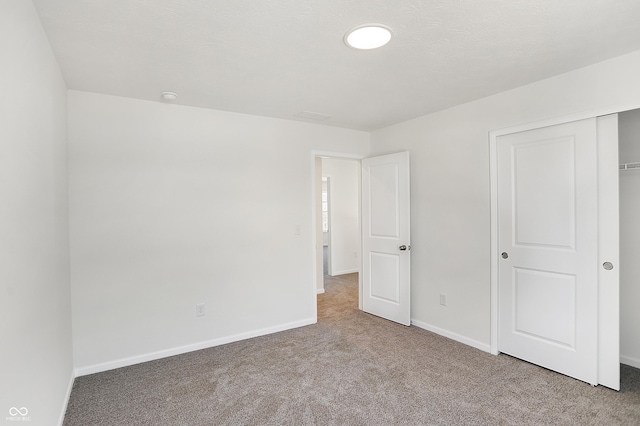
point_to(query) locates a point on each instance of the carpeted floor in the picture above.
(349, 369)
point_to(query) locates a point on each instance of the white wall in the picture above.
(450, 212)
(171, 206)
(344, 214)
(35, 312)
(629, 134)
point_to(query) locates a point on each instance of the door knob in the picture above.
(504, 254)
(607, 265)
(402, 247)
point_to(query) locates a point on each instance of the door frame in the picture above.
(608, 295)
(316, 221)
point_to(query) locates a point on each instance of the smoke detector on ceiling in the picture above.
(169, 96)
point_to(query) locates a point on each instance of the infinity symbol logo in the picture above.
(13, 411)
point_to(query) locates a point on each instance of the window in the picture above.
(325, 206)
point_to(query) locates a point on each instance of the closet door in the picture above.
(552, 234)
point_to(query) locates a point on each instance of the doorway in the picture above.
(382, 230)
(629, 170)
(337, 218)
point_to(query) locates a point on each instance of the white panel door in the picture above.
(608, 251)
(548, 243)
(386, 260)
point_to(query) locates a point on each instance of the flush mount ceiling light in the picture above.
(368, 36)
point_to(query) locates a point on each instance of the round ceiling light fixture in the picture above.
(368, 36)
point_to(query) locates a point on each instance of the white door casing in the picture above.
(386, 243)
(548, 243)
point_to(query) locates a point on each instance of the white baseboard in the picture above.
(65, 402)
(453, 336)
(627, 360)
(320, 291)
(124, 362)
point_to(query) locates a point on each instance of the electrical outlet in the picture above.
(443, 299)
(200, 310)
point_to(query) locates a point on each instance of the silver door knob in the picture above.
(607, 265)
(504, 255)
(402, 247)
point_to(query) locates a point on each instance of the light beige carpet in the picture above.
(349, 369)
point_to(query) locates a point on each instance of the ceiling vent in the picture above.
(316, 116)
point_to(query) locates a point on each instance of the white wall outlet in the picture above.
(200, 310)
(443, 299)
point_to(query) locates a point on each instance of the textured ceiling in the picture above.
(278, 58)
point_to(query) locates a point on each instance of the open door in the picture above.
(386, 242)
(553, 235)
